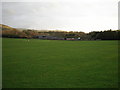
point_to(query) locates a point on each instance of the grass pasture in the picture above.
(59, 64)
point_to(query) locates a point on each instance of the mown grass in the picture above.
(59, 64)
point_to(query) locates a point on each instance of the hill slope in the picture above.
(5, 27)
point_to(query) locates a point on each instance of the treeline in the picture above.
(33, 33)
(94, 35)
(105, 35)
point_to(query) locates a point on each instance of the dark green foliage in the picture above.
(105, 35)
(102, 35)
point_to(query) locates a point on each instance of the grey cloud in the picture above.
(59, 14)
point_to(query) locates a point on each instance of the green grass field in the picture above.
(59, 64)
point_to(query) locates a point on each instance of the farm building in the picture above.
(49, 37)
(73, 38)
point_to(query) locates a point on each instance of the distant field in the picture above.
(59, 64)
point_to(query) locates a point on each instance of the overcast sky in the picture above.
(70, 15)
